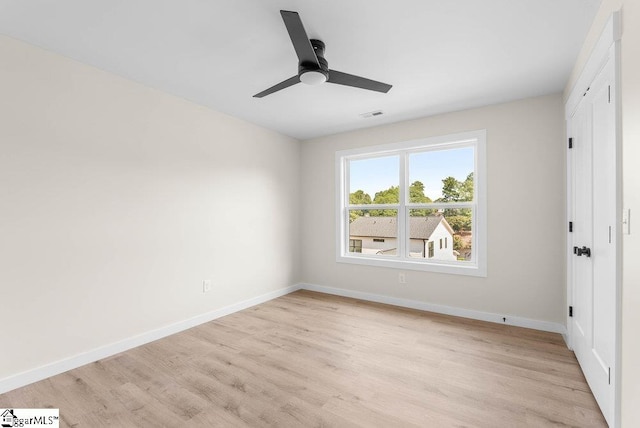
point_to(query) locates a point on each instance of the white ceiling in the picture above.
(439, 55)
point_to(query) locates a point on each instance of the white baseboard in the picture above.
(442, 309)
(61, 366)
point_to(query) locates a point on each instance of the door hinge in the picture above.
(571, 311)
(571, 143)
(570, 226)
(609, 375)
(609, 94)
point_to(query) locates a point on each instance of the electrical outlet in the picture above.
(206, 285)
(402, 279)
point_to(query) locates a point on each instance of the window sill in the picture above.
(461, 268)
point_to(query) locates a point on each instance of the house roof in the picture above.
(387, 227)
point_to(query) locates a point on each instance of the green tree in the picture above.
(458, 191)
(416, 195)
(392, 196)
(459, 222)
(358, 198)
(450, 190)
(458, 243)
(466, 188)
(388, 196)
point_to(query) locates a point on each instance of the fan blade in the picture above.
(299, 38)
(282, 85)
(346, 79)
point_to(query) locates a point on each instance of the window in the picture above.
(395, 201)
(355, 245)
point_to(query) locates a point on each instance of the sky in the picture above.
(431, 167)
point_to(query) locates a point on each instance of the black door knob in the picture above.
(582, 251)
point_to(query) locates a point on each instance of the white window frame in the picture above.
(475, 267)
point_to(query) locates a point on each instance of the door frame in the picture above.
(611, 35)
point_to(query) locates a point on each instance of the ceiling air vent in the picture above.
(371, 113)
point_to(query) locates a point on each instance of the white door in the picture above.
(593, 159)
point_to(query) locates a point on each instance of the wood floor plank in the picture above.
(309, 359)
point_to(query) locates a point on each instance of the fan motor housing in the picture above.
(318, 47)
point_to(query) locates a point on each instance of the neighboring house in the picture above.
(431, 237)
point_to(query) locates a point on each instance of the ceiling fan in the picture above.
(313, 69)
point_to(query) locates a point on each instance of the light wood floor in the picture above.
(309, 359)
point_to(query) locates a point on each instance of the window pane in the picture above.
(441, 175)
(373, 234)
(374, 180)
(440, 234)
(440, 224)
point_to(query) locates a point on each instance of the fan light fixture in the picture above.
(313, 78)
(313, 68)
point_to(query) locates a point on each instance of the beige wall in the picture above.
(526, 213)
(630, 88)
(117, 200)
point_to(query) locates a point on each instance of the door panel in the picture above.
(583, 225)
(604, 218)
(593, 161)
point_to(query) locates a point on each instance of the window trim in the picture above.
(477, 267)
